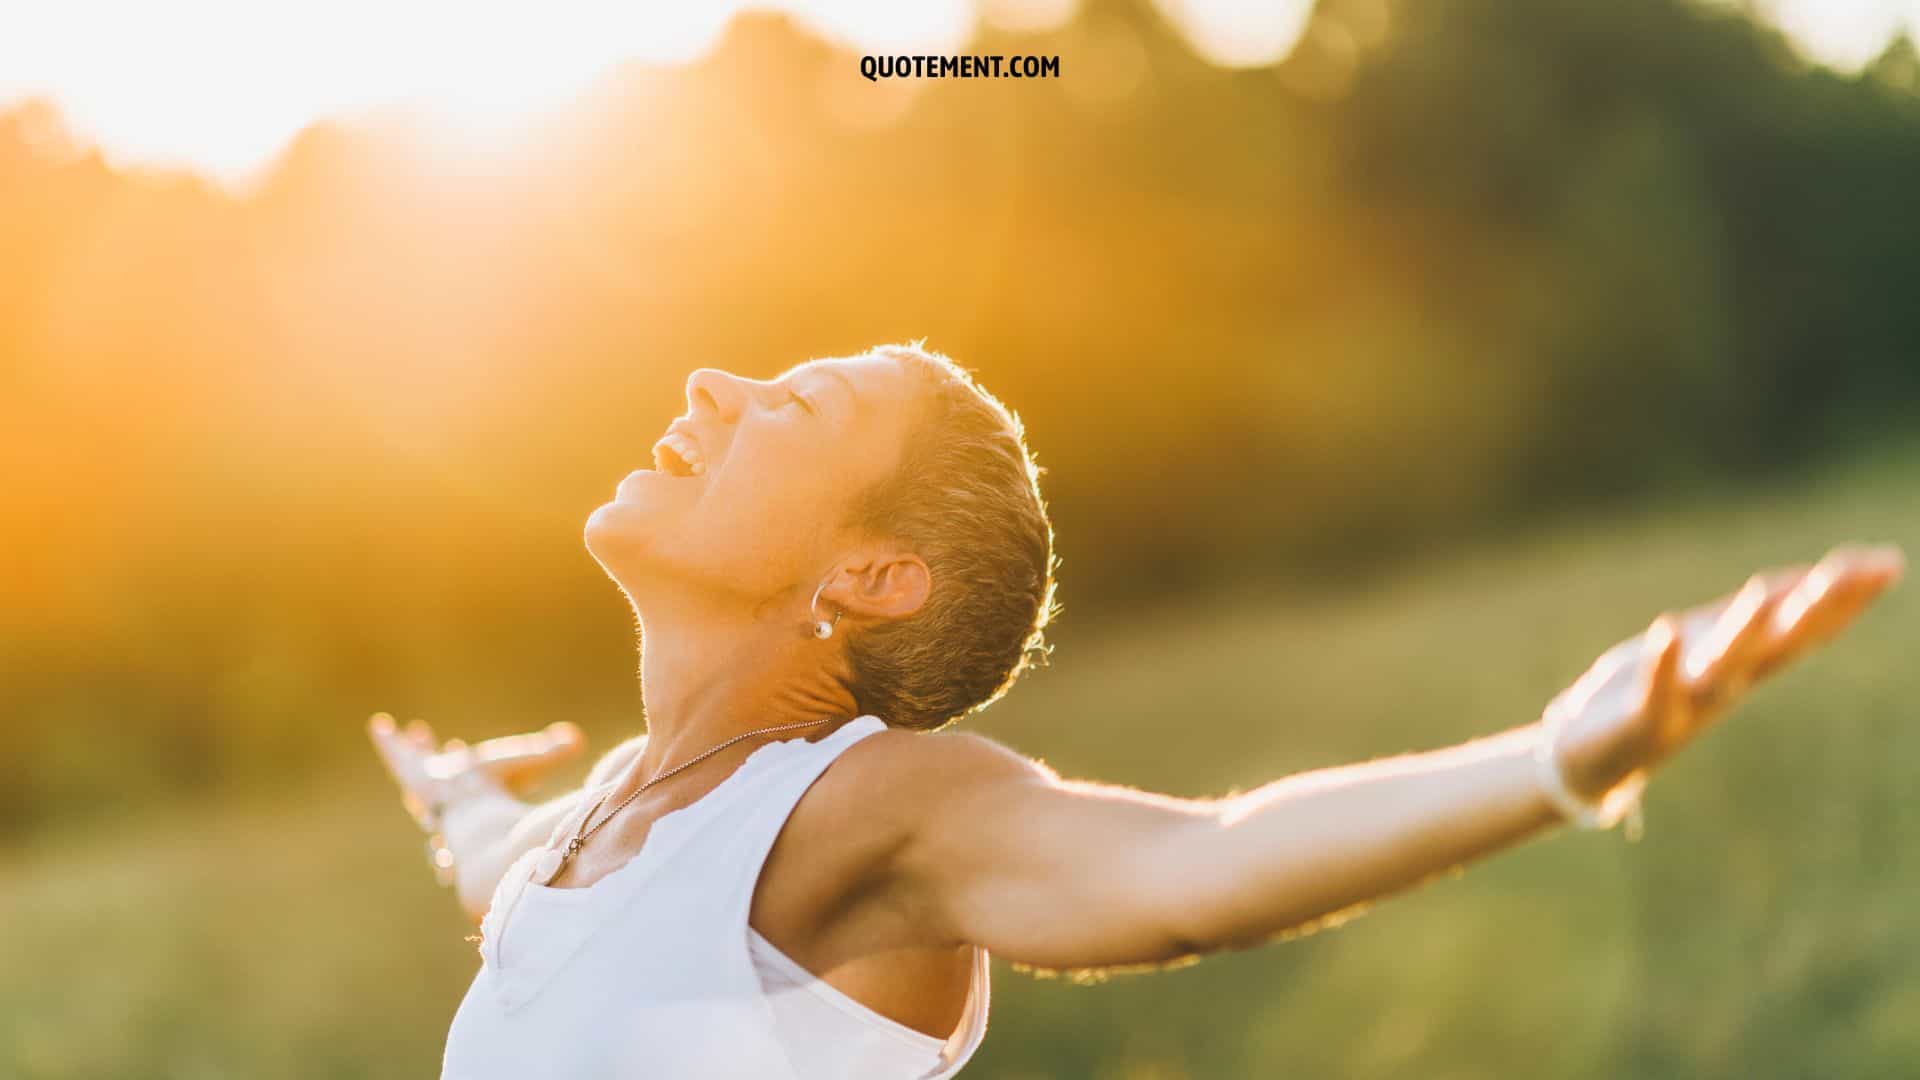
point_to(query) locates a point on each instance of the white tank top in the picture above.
(652, 971)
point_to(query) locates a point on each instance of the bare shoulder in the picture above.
(899, 780)
(905, 762)
(942, 749)
(854, 829)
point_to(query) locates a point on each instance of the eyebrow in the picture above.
(831, 373)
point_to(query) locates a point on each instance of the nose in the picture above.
(713, 391)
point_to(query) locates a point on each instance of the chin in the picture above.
(618, 536)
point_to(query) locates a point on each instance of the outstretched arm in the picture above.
(1068, 875)
(483, 823)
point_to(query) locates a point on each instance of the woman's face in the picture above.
(749, 492)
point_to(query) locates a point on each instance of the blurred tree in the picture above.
(278, 459)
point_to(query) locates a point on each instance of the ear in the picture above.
(885, 585)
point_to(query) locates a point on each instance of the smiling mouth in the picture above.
(678, 455)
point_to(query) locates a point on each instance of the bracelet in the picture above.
(1620, 804)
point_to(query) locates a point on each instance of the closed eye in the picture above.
(795, 397)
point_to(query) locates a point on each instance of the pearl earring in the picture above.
(823, 629)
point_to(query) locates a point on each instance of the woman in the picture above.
(787, 877)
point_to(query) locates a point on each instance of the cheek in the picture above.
(781, 489)
(772, 518)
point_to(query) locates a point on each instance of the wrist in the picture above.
(1587, 799)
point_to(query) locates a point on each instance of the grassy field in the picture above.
(1768, 925)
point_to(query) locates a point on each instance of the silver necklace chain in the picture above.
(584, 834)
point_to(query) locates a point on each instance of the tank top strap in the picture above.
(726, 848)
(741, 832)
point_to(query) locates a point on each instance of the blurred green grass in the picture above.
(1766, 925)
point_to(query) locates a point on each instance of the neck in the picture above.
(706, 677)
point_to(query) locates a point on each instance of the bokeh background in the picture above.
(1388, 361)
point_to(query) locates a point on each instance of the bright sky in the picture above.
(1845, 34)
(223, 85)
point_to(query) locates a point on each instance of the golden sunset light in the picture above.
(221, 86)
(735, 538)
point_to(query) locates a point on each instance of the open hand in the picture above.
(429, 775)
(1652, 694)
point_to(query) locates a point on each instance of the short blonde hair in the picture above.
(967, 499)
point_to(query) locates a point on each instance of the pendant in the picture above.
(547, 866)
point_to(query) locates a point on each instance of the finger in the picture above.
(1831, 596)
(1697, 623)
(522, 759)
(448, 764)
(420, 732)
(563, 736)
(1727, 654)
(1661, 686)
(395, 746)
(396, 753)
(1843, 581)
(381, 730)
(1893, 559)
(510, 757)
(1836, 605)
(1620, 669)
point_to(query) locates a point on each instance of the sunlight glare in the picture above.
(1843, 34)
(1240, 33)
(887, 26)
(222, 86)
